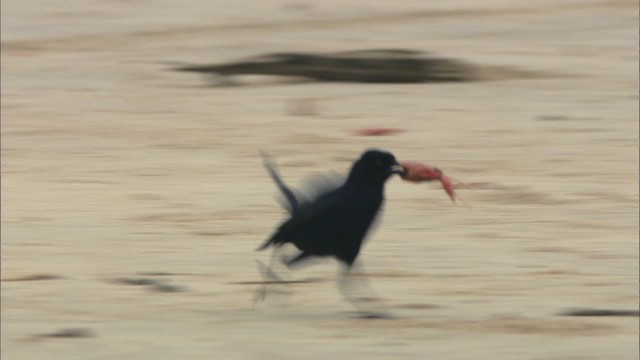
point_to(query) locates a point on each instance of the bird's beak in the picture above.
(398, 169)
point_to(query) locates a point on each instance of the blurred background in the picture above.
(133, 196)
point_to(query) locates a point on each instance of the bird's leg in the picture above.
(354, 286)
(296, 260)
(269, 276)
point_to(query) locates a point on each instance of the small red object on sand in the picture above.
(417, 172)
(377, 131)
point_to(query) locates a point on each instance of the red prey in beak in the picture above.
(417, 172)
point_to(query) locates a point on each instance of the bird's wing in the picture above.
(314, 209)
(319, 196)
(307, 214)
(317, 186)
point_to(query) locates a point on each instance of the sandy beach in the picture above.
(133, 197)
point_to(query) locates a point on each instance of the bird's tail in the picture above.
(270, 165)
(264, 245)
(271, 241)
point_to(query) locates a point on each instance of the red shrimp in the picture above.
(417, 172)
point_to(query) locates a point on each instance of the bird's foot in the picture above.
(272, 284)
(260, 295)
(267, 273)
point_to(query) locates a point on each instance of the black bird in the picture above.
(335, 221)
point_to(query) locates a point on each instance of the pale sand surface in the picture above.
(112, 167)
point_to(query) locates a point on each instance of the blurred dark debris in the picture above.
(35, 277)
(152, 284)
(565, 118)
(70, 333)
(136, 281)
(374, 315)
(419, 306)
(377, 131)
(286, 282)
(158, 273)
(167, 288)
(365, 66)
(599, 312)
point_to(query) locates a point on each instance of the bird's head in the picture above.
(375, 166)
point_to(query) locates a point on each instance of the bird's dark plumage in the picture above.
(335, 221)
